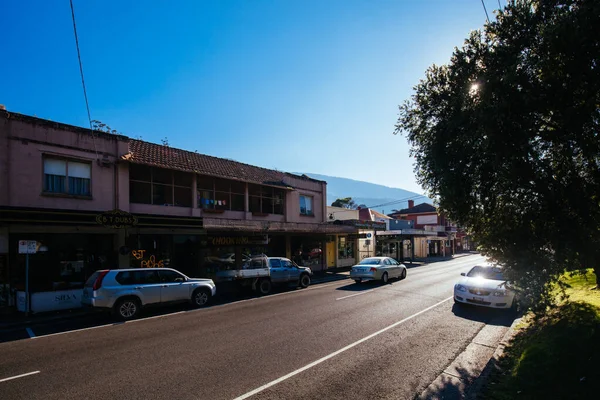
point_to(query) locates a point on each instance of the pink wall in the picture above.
(24, 141)
(27, 141)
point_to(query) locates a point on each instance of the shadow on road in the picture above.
(361, 287)
(490, 316)
(461, 384)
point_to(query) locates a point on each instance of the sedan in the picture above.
(484, 286)
(377, 268)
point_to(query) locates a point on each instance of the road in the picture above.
(337, 340)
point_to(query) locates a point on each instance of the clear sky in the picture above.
(302, 86)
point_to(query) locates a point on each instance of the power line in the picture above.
(87, 105)
(386, 204)
(499, 5)
(486, 13)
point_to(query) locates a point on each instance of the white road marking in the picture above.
(335, 353)
(180, 312)
(19, 376)
(355, 294)
(30, 332)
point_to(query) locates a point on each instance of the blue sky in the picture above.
(303, 86)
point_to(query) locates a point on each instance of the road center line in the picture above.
(19, 376)
(30, 332)
(355, 294)
(335, 353)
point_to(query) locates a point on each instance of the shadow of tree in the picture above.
(492, 316)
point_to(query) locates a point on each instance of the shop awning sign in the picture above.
(27, 246)
(116, 219)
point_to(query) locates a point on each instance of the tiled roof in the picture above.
(420, 208)
(141, 152)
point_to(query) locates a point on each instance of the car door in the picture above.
(144, 283)
(395, 269)
(387, 267)
(291, 272)
(277, 271)
(173, 287)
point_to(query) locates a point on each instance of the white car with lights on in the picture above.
(484, 285)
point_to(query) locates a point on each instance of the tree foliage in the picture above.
(506, 136)
(346, 202)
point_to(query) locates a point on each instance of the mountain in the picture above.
(372, 195)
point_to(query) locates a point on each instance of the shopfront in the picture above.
(309, 251)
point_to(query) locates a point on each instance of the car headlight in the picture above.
(499, 293)
(461, 288)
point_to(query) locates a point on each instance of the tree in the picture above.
(102, 127)
(507, 136)
(346, 202)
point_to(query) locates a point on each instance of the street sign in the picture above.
(27, 247)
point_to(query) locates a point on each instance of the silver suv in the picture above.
(126, 291)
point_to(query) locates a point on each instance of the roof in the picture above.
(156, 155)
(418, 209)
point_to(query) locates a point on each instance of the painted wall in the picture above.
(28, 140)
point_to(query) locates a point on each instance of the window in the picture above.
(167, 276)
(387, 262)
(266, 200)
(306, 207)
(221, 194)
(67, 177)
(285, 263)
(345, 248)
(137, 277)
(275, 263)
(159, 186)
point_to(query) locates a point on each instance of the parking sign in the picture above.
(27, 247)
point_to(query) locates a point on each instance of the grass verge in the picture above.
(556, 356)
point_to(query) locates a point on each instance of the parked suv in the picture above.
(126, 291)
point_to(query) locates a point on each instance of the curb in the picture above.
(50, 318)
(464, 377)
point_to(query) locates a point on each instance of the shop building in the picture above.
(100, 200)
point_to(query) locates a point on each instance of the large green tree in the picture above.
(506, 137)
(346, 202)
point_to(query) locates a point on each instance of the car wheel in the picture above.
(304, 281)
(358, 280)
(200, 297)
(403, 275)
(264, 287)
(128, 308)
(384, 278)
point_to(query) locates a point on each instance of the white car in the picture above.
(377, 268)
(484, 285)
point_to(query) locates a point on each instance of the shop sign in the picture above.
(27, 247)
(116, 219)
(238, 240)
(354, 236)
(52, 301)
(363, 224)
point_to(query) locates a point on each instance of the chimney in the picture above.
(411, 203)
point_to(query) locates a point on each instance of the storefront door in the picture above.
(330, 254)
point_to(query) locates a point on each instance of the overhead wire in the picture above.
(87, 105)
(486, 13)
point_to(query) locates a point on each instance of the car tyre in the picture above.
(358, 280)
(384, 278)
(304, 281)
(201, 297)
(403, 275)
(127, 308)
(264, 287)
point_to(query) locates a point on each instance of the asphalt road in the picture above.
(336, 340)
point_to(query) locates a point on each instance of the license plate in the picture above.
(478, 298)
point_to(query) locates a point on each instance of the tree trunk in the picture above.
(597, 272)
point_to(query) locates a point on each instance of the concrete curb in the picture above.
(469, 371)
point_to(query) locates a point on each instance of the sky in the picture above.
(299, 86)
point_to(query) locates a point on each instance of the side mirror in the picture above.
(463, 274)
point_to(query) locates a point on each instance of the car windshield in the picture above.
(370, 261)
(494, 273)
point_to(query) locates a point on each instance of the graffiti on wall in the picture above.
(150, 262)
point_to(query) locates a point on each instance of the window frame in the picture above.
(266, 193)
(171, 185)
(66, 160)
(214, 194)
(312, 202)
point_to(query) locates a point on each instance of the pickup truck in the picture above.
(262, 272)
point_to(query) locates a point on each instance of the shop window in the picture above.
(221, 194)
(266, 200)
(67, 177)
(159, 186)
(306, 205)
(345, 248)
